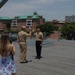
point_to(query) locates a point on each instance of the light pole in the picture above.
(59, 33)
(2, 2)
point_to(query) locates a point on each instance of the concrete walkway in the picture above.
(58, 58)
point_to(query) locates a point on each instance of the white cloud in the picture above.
(44, 1)
(15, 9)
(27, 7)
(63, 0)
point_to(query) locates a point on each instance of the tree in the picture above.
(8, 26)
(48, 28)
(68, 31)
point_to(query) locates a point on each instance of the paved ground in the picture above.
(58, 58)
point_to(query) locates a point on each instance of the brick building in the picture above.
(18, 21)
(4, 21)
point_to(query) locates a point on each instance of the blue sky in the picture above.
(50, 9)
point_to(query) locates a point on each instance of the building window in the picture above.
(14, 23)
(28, 23)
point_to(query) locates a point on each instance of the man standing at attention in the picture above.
(39, 40)
(22, 35)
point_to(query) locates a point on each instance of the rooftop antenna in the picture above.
(2, 2)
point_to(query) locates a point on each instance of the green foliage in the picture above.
(68, 31)
(8, 26)
(12, 31)
(47, 27)
(56, 28)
